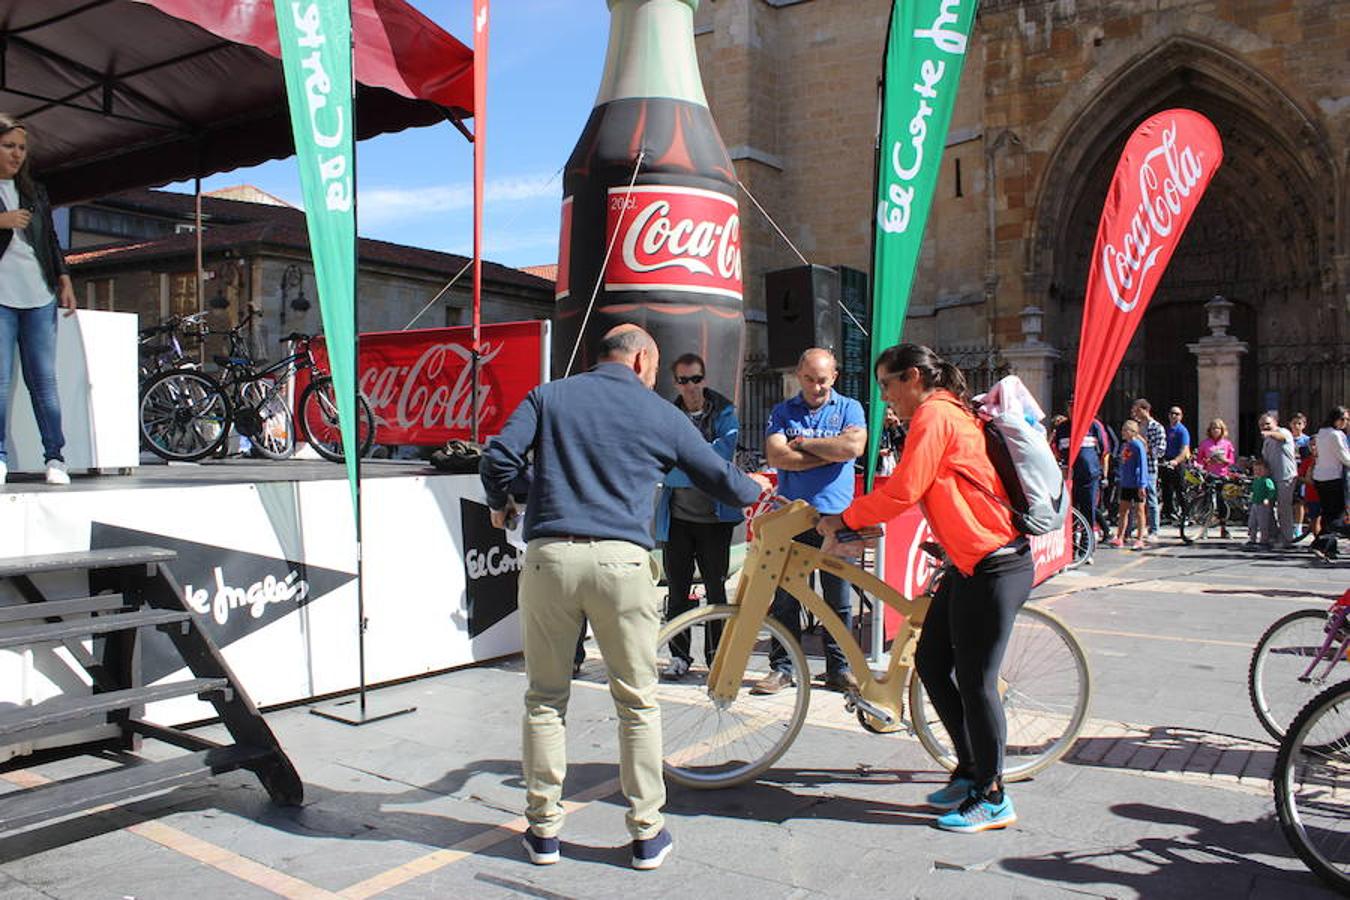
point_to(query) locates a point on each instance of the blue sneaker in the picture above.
(979, 813)
(650, 852)
(543, 850)
(952, 794)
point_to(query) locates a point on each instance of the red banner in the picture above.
(419, 383)
(1162, 174)
(674, 238)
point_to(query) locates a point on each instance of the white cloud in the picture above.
(379, 205)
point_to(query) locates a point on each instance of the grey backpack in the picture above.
(1038, 498)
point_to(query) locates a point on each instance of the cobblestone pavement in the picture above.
(1167, 793)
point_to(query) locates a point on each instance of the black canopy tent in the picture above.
(119, 94)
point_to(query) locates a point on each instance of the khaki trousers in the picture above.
(611, 584)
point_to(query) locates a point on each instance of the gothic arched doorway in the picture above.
(1263, 236)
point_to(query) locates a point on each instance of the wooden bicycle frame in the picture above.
(775, 561)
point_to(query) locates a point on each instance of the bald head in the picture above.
(631, 345)
(622, 342)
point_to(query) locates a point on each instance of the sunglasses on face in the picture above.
(688, 379)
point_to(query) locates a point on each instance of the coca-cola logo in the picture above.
(1167, 178)
(674, 238)
(434, 391)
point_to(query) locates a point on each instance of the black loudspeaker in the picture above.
(802, 304)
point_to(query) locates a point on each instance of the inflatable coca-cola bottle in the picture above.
(674, 264)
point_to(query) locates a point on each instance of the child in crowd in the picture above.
(1261, 519)
(1312, 506)
(1133, 475)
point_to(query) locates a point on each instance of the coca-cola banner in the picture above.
(1162, 174)
(672, 238)
(907, 567)
(420, 385)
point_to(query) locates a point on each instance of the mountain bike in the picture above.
(1199, 506)
(717, 733)
(160, 349)
(1312, 785)
(187, 414)
(1296, 658)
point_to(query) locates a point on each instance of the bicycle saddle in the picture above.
(934, 549)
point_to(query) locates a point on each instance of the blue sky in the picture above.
(416, 187)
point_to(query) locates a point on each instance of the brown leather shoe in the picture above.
(843, 682)
(772, 683)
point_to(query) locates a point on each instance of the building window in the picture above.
(100, 293)
(957, 160)
(183, 294)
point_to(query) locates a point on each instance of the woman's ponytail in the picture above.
(950, 377)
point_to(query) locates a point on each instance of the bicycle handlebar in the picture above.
(295, 337)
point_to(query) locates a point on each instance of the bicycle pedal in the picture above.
(854, 703)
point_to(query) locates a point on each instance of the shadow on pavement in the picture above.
(1215, 859)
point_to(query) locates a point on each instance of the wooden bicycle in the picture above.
(718, 733)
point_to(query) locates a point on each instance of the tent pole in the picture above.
(197, 234)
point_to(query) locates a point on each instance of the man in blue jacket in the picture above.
(694, 526)
(598, 443)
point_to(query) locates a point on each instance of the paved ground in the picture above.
(1167, 794)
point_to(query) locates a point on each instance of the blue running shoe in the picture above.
(952, 794)
(979, 813)
(543, 850)
(649, 853)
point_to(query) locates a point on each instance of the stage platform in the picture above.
(159, 474)
(267, 559)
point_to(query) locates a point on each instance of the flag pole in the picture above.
(365, 712)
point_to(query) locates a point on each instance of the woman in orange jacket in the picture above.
(946, 468)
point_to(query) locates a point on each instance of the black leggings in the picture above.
(966, 633)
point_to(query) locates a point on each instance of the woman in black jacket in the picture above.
(33, 281)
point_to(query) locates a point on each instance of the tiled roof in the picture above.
(549, 272)
(293, 237)
(215, 209)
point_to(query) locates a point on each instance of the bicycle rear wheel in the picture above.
(271, 426)
(319, 421)
(1084, 540)
(1279, 660)
(1048, 687)
(184, 415)
(710, 745)
(1312, 785)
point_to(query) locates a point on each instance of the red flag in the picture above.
(1166, 166)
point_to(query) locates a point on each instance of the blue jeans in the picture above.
(835, 591)
(33, 331)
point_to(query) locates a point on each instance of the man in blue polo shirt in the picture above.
(1169, 474)
(812, 440)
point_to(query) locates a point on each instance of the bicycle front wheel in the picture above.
(319, 421)
(710, 745)
(1312, 785)
(184, 415)
(1275, 678)
(1046, 688)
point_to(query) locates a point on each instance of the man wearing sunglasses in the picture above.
(695, 527)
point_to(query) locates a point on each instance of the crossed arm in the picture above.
(803, 453)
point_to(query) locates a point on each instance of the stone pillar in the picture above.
(1033, 360)
(1218, 357)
